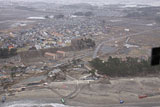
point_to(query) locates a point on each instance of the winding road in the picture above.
(113, 39)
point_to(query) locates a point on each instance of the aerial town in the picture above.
(78, 55)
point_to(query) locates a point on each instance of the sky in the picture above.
(100, 2)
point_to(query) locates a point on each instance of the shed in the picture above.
(61, 53)
(50, 55)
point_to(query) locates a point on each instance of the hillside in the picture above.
(98, 2)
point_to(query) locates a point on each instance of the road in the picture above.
(113, 39)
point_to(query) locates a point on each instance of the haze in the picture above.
(97, 2)
(79, 53)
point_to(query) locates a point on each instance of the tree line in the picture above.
(6, 53)
(84, 43)
(116, 67)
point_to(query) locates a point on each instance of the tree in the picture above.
(6, 53)
(79, 14)
(130, 67)
(92, 72)
(13, 74)
(13, 52)
(46, 16)
(60, 16)
(88, 14)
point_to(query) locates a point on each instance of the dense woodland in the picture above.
(6, 53)
(83, 44)
(89, 13)
(116, 67)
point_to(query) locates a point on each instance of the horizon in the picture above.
(94, 2)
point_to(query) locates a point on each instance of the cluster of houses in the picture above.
(53, 33)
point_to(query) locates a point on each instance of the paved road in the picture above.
(113, 39)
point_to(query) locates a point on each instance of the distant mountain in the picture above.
(77, 6)
(98, 2)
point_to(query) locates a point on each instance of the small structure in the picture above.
(50, 55)
(10, 47)
(54, 72)
(61, 54)
(56, 75)
(127, 30)
(3, 99)
(32, 48)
